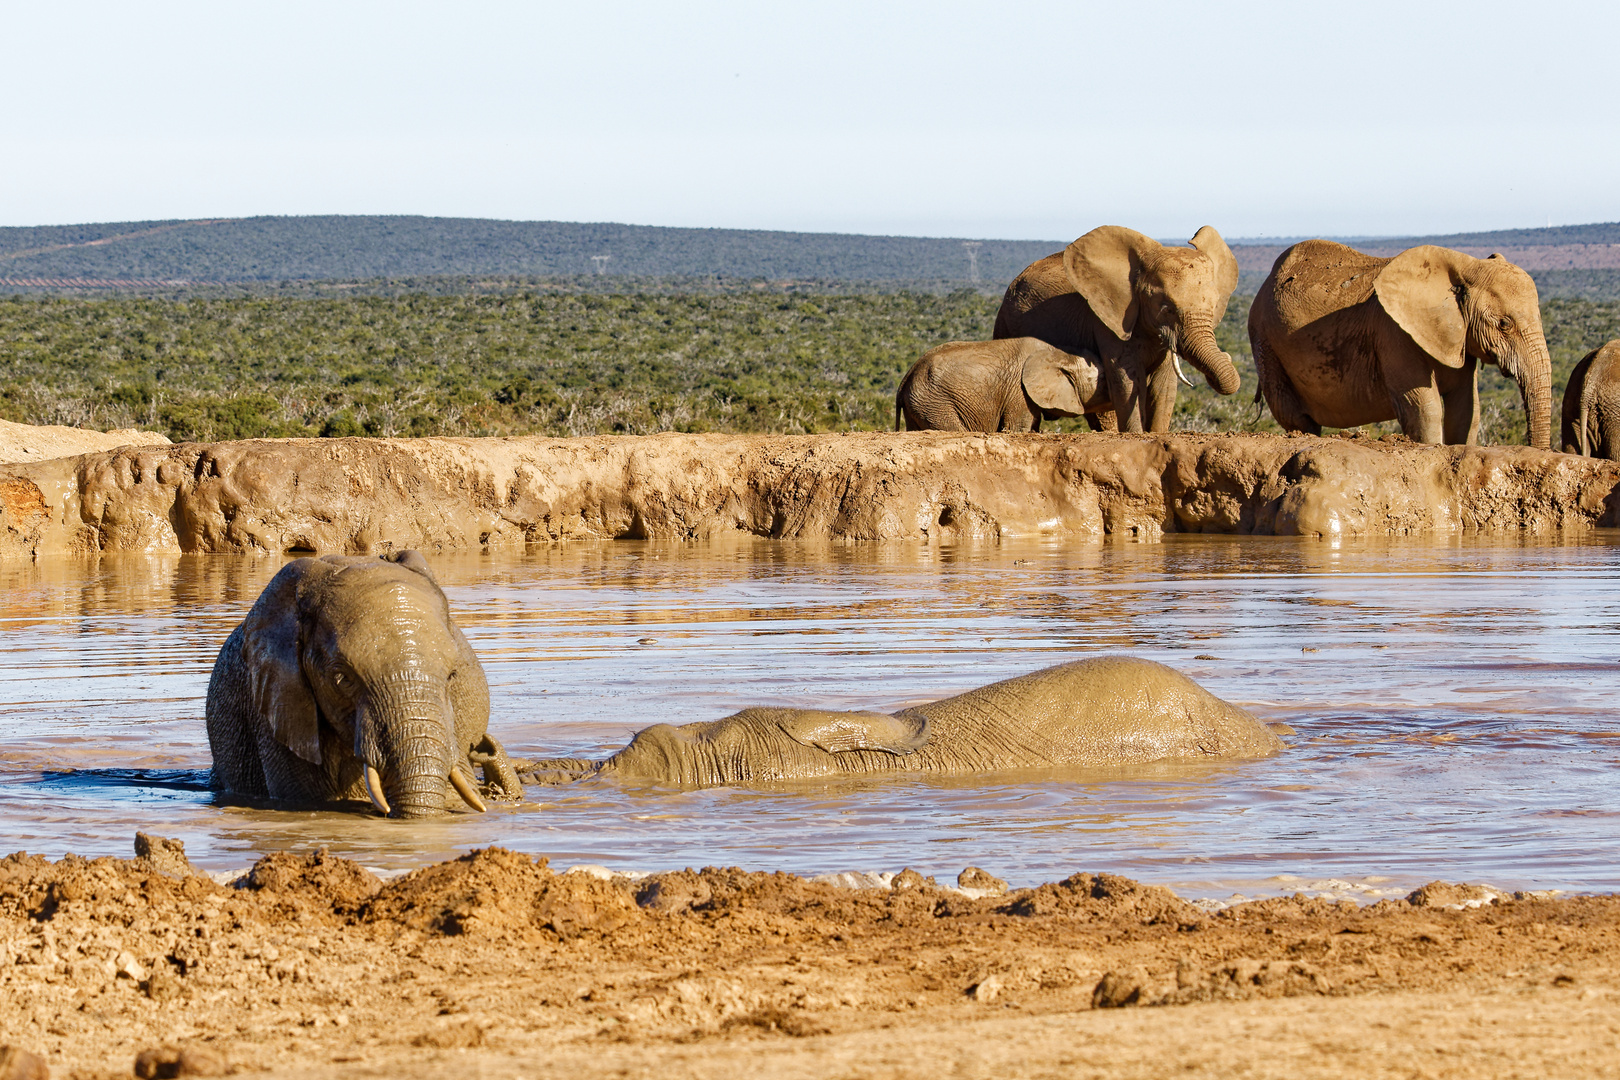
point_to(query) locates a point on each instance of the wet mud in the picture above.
(370, 495)
(496, 965)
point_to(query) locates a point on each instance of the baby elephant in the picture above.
(1105, 711)
(348, 680)
(1007, 385)
(1592, 405)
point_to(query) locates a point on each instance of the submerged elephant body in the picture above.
(348, 680)
(1105, 711)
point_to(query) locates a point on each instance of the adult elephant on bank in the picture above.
(1343, 339)
(1139, 306)
(1591, 412)
(349, 680)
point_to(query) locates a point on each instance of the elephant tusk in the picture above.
(464, 787)
(1175, 361)
(374, 788)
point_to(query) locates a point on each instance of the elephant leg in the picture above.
(1125, 387)
(1421, 412)
(1607, 444)
(1461, 408)
(1279, 393)
(1103, 421)
(1160, 402)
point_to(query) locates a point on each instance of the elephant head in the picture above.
(1061, 384)
(1455, 306)
(356, 661)
(1172, 296)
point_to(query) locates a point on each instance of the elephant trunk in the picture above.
(1534, 376)
(405, 736)
(1197, 344)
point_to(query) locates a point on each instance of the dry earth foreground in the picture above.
(365, 495)
(494, 966)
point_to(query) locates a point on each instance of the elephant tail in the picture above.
(899, 414)
(1278, 389)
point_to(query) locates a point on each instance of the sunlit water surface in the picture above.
(1453, 701)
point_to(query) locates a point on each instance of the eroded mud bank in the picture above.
(359, 495)
(312, 966)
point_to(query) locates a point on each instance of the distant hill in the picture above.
(441, 254)
(264, 249)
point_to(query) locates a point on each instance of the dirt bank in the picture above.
(360, 495)
(494, 965)
(25, 442)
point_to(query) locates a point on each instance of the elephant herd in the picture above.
(1340, 339)
(349, 682)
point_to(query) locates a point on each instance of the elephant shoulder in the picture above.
(841, 732)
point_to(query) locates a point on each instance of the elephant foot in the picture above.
(500, 778)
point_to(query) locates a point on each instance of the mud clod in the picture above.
(163, 855)
(168, 1062)
(981, 881)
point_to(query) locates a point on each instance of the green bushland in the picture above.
(526, 362)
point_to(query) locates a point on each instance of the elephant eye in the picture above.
(338, 679)
(1505, 322)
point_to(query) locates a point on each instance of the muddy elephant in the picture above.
(1007, 385)
(1103, 711)
(349, 680)
(1139, 307)
(1591, 412)
(1343, 339)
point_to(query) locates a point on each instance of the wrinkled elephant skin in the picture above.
(1100, 712)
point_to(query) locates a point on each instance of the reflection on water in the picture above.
(1452, 701)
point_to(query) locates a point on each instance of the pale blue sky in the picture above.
(1011, 120)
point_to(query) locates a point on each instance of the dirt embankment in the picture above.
(493, 964)
(361, 495)
(27, 443)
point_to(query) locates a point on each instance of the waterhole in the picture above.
(1453, 707)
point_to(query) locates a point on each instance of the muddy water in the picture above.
(1454, 704)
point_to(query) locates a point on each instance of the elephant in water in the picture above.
(1007, 385)
(1140, 307)
(1591, 413)
(348, 680)
(1108, 710)
(1343, 339)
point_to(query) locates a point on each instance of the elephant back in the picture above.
(1102, 711)
(1315, 278)
(1041, 303)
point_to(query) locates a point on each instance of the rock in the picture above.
(982, 883)
(162, 985)
(1440, 894)
(370, 495)
(1120, 988)
(129, 967)
(986, 989)
(909, 879)
(19, 1064)
(165, 1062)
(163, 855)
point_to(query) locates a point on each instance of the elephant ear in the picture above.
(411, 559)
(270, 653)
(1419, 290)
(1208, 241)
(1102, 266)
(840, 733)
(1049, 380)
